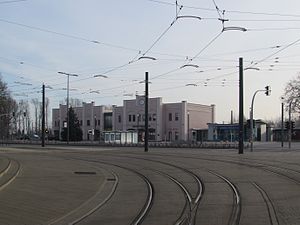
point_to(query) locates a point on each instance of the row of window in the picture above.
(131, 118)
(88, 123)
(138, 117)
(176, 136)
(176, 116)
(141, 117)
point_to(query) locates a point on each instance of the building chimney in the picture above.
(213, 113)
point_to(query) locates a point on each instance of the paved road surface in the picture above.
(119, 186)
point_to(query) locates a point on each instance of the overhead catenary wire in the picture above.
(138, 54)
(275, 53)
(217, 8)
(12, 1)
(68, 35)
(207, 45)
(229, 11)
(163, 33)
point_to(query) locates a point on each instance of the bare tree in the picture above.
(35, 103)
(7, 107)
(74, 102)
(23, 114)
(292, 94)
(47, 102)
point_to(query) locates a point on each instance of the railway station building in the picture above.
(180, 121)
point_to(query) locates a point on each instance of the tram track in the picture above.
(236, 206)
(269, 204)
(189, 217)
(186, 174)
(85, 210)
(9, 174)
(279, 171)
(150, 192)
(261, 166)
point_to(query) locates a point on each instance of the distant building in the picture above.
(92, 119)
(167, 121)
(180, 121)
(230, 132)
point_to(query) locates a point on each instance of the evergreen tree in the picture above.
(75, 133)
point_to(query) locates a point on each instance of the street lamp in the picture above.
(146, 146)
(189, 65)
(290, 123)
(188, 126)
(234, 28)
(68, 84)
(100, 75)
(267, 91)
(147, 57)
(282, 115)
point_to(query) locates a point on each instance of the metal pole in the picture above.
(68, 130)
(43, 117)
(251, 126)
(68, 81)
(241, 108)
(188, 127)
(282, 112)
(146, 113)
(251, 120)
(290, 125)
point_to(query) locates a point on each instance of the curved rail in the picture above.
(150, 196)
(271, 211)
(6, 178)
(193, 202)
(66, 218)
(147, 206)
(261, 166)
(236, 210)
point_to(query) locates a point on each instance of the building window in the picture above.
(95, 122)
(133, 118)
(129, 118)
(170, 135)
(58, 123)
(152, 134)
(143, 117)
(176, 116)
(176, 136)
(107, 121)
(139, 117)
(154, 117)
(88, 123)
(119, 119)
(170, 116)
(150, 117)
(98, 122)
(55, 123)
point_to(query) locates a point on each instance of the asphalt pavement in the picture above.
(112, 185)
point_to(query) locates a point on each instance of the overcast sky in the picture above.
(95, 37)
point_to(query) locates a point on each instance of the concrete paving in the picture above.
(102, 185)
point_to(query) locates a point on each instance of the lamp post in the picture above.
(146, 147)
(188, 133)
(267, 91)
(282, 115)
(68, 84)
(290, 124)
(146, 113)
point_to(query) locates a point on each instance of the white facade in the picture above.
(167, 121)
(91, 119)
